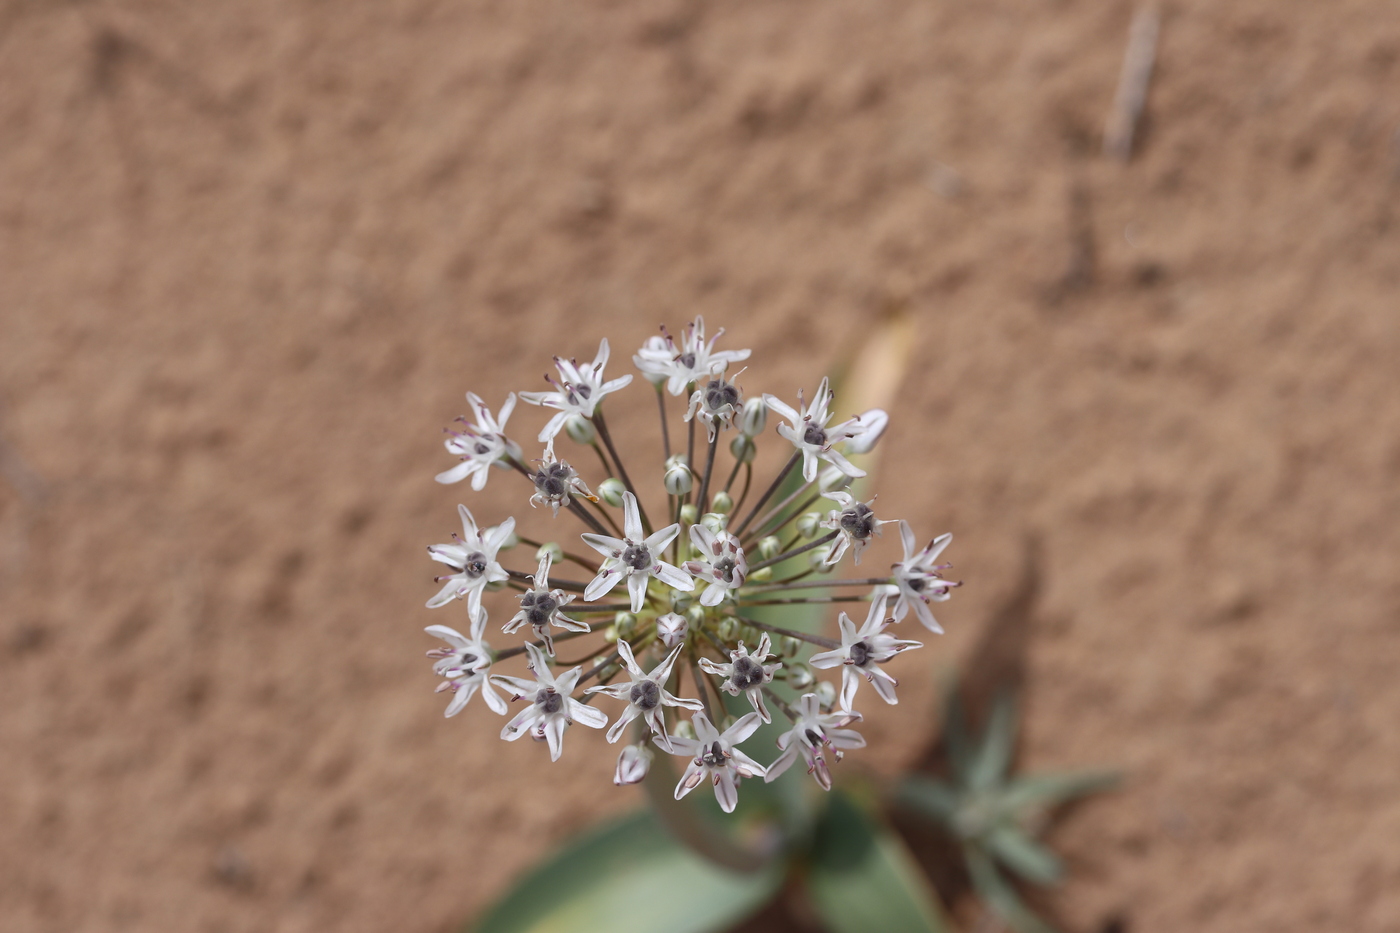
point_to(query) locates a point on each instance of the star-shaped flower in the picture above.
(635, 557)
(660, 359)
(645, 694)
(807, 431)
(481, 445)
(466, 665)
(539, 607)
(861, 650)
(714, 757)
(746, 673)
(552, 707)
(473, 559)
(811, 733)
(856, 523)
(918, 579)
(578, 391)
(555, 481)
(721, 563)
(716, 402)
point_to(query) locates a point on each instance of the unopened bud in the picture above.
(714, 521)
(826, 694)
(807, 524)
(721, 503)
(610, 491)
(799, 675)
(769, 547)
(832, 479)
(684, 730)
(689, 513)
(552, 548)
(671, 629)
(678, 478)
(626, 624)
(680, 601)
(579, 429)
(743, 448)
(632, 765)
(493, 586)
(819, 557)
(607, 673)
(761, 575)
(873, 424)
(695, 614)
(728, 629)
(789, 646)
(754, 417)
(610, 634)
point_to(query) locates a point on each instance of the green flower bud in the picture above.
(551, 548)
(818, 559)
(689, 513)
(761, 575)
(607, 672)
(721, 503)
(713, 521)
(826, 694)
(695, 614)
(789, 646)
(743, 448)
(684, 730)
(799, 675)
(769, 547)
(728, 629)
(680, 602)
(808, 524)
(678, 478)
(626, 624)
(753, 417)
(610, 634)
(610, 491)
(832, 479)
(580, 429)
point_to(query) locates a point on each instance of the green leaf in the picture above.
(1045, 791)
(863, 879)
(993, 757)
(956, 733)
(932, 798)
(629, 876)
(1024, 856)
(999, 895)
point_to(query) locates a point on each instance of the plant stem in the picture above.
(665, 431)
(779, 558)
(813, 599)
(601, 424)
(777, 481)
(801, 636)
(505, 653)
(814, 584)
(570, 585)
(703, 498)
(590, 566)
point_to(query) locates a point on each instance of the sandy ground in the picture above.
(254, 253)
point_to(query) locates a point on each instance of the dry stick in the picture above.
(796, 513)
(590, 607)
(801, 636)
(602, 425)
(777, 481)
(702, 498)
(1133, 81)
(591, 673)
(779, 558)
(665, 431)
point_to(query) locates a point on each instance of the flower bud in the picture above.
(610, 491)
(580, 429)
(678, 479)
(769, 547)
(761, 575)
(826, 694)
(728, 629)
(832, 479)
(689, 513)
(743, 448)
(607, 673)
(680, 601)
(721, 503)
(626, 625)
(713, 521)
(799, 675)
(753, 418)
(551, 548)
(684, 730)
(671, 629)
(873, 424)
(632, 765)
(695, 614)
(819, 558)
(610, 634)
(789, 646)
(808, 523)
(493, 586)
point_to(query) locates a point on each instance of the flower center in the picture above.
(858, 521)
(637, 556)
(687, 360)
(916, 584)
(860, 653)
(538, 607)
(549, 701)
(553, 480)
(475, 564)
(645, 694)
(814, 435)
(747, 672)
(482, 448)
(815, 738)
(714, 756)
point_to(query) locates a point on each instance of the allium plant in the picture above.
(700, 543)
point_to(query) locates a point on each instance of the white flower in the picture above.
(635, 558)
(671, 629)
(660, 359)
(632, 765)
(722, 564)
(481, 445)
(811, 732)
(555, 481)
(473, 558)
(918, 579)
(714, 756)
(856, 523)
(539, 606)
(552, 707)
(645, 694)
(746, 674)
(466, 665)
(808, 432)
(717, 402)
(865, 430)
(578, 392)
(861, 650)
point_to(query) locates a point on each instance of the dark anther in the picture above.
(747, 672)
(814, 435)
(724, 569)
(549, 701)
(482, 448)
(539, 611)
(585, 391)
(475, 565)
(715, 756)
(814, 737)
(916, 584)
(858, 520)
(860, 653)
(637, 556)
(553, 480)
(687, 360)
(468, 659)
(645, 694)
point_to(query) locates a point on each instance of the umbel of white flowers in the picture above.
(693, 585)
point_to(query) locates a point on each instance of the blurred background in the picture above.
(254, 254)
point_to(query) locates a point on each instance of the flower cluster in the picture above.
(688, 629)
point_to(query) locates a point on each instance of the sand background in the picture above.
(254, 253)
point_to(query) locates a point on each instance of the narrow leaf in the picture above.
(1045, 791)
(863, 879)
(993, 756)
(629, 876)
(1024, 856)
(932, 798)
(999, 895)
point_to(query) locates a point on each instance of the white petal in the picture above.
(637, 587)
(782, 408)
(906, 537)
(782, 763)
(658, 541)
(553, 426)
(827, 659)
(554, 728)
(608, 547)
(674, 577)
(615, 732)
(588, 716)
(493, 699)
(850, 682)
(713, 595)
(460, 698)
(446, 594)
(600, 585)
(457, 473)
(725, 791)
(450, 635)
(631, 518)
(469, 529)
(624, 651)
(925, 615)
(884, 685)
(745, 726)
